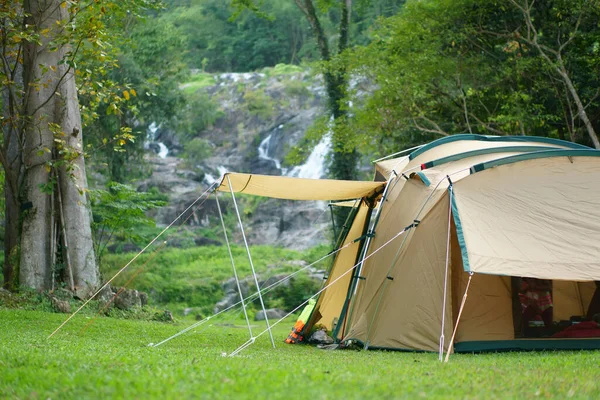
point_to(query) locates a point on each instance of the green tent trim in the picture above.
(528, 344)
(455, 138)
(532, 156)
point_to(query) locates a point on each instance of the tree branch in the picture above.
(436, 128)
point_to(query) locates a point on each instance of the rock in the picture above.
(230, 286)
(187, 311)
(228, 301)
(274, 279)
(320, 337)
(62, 306)
(128, 299)
(165, 316)
(199, 317)
(105, 295)
(272, 314)
(317, 275)
(144, 298)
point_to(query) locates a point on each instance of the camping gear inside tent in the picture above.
(480, 213)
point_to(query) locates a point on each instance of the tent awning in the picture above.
(288, 188)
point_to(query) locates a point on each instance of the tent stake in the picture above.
(262, 304)
(237, 281)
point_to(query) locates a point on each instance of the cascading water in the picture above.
(209, 179)
(314, 167)
(151, 143)
(164, 150)
(263, 152)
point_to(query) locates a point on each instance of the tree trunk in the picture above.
(581, 113)
(53, 111)
(12, 101)
(34, 268)
(73, 186)
(343, 164)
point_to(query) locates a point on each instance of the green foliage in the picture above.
(219, 42)
(259, 104)
(201, 112)
(282, 69)
(192, 277)
(290, 295)
(119, 364)
(119, 214)
(197, 150)
(198, 81)
(445, 67)
(140, 87)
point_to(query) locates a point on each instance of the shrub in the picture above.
(197, 150)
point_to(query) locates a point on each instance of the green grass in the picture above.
(198, 81)
(112, 359)
(283, 69)
(181, 278)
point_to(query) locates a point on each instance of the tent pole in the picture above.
(237, 281)
(262, 304)
(462, 305)
(371, 233)
(398, 153)
(363, 256)
(442, 337)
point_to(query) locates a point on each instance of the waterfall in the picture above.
(263, 152)
(164, 150)
(158, 147)
(209, 179)
(314, 167)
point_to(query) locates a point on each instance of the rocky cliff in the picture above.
(261, 116)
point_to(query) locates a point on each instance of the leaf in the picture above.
(126, 95)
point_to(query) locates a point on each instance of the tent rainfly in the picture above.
(480, 214)
(463, 215)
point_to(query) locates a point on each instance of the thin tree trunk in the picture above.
(580, 108)
(343, 165)
(558, 65)
(11, 161)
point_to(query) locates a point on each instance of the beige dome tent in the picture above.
(437, 247)
(468, 212)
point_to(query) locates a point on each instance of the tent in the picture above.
(436, 249)
(473, 212)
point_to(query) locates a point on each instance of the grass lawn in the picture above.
(112, 359)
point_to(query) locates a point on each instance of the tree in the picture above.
(142, 91)
(571, 16)
(47, 207)
(464, 66)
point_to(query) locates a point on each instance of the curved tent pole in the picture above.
(262, 304)
(237, 280)
(398, 153)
